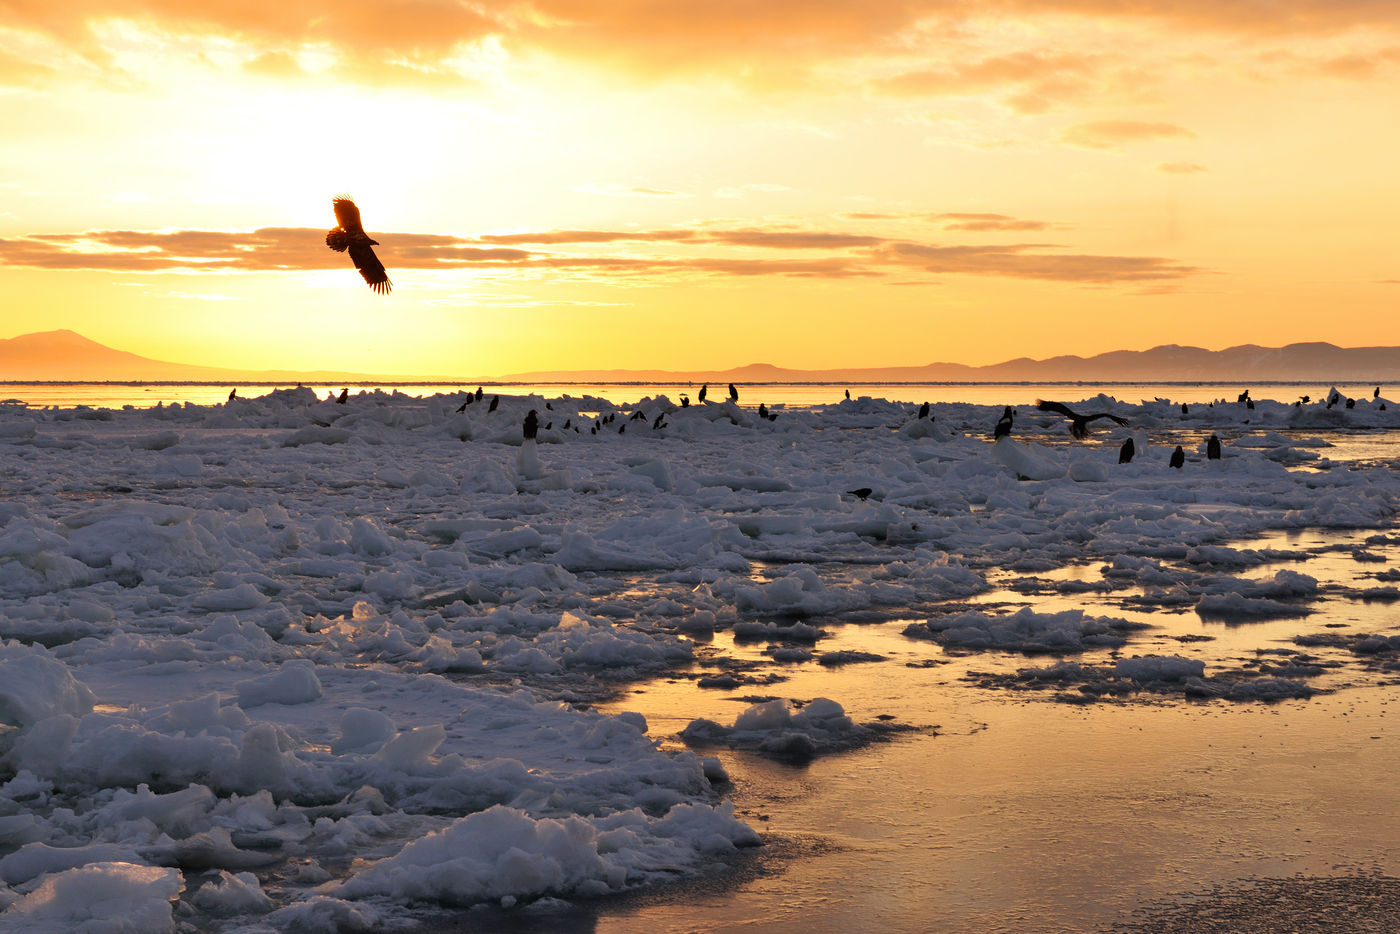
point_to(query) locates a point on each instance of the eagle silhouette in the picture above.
(350, 235)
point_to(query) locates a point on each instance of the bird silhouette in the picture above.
(233, 394)
(478, 394)
(1079, 424)
(344, 396)
(463, 406)
(1178, 458)
(762, 410)
(733, 393)
(1213, 448)
(1003, 424)
(532, 425)
(700, 397)
(848, 394)
(350, 235)
(861, 494)
(1126, 452)
(923, 410)
(495, 401)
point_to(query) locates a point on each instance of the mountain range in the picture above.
(65, 356)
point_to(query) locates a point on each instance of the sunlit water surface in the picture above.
(1011, 812)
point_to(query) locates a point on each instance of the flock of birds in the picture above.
(349, 236)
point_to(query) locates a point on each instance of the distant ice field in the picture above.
(147, 395)
(281, 663)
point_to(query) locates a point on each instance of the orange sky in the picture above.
(625, 183)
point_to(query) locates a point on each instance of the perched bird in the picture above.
(1249, 404)
(233, 394)
(862, 493)
(478, 394)
(703, 389)
(463, 406)
(848, 394)
(350, 235)
(733, 393)
(1183, 408)
(1126, 452)
(685, 401)
(531, 427)
(1243, 397)
(638, 416)
(1178, 458)
(923, 410)
(1377, 393)
(495, 401)
(762, 410)
(1003, 424)
(568, 423)
(344, 395)
(1079, 424)
(659, 423)
(1213, 448)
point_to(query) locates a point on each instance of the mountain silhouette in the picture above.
(66, 356)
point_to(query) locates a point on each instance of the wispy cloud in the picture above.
(1180, 168)
(1017, 261)
(1110, 134)
(632, 191)
(985, 222)
(702, 251)
(769, 43)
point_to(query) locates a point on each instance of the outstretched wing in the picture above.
(1119, 419)
(337, 239)
(348, 216)
(370, 267)
(1056, 407)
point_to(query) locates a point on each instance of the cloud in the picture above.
(827, 254)
(624, 191)
(774, 43)
(1032, 81)
(1180, 168)
(985, 222)
(1359, 66)
(590, 236)
(793, 239)
(1015, 262)
(1110, 134)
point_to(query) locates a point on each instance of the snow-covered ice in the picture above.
(285, 663)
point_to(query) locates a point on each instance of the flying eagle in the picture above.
(1079, 424)
(350, 235)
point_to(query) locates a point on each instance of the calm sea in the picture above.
(148, 395)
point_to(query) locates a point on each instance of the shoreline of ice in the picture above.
(335, 662)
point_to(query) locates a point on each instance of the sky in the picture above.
(580, 184)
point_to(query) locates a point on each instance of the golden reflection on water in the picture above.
(1021, 814)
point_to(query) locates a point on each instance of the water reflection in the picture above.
(1013, 814)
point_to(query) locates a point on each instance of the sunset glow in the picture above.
(585, 183)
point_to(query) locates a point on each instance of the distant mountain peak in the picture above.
(62, 355)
